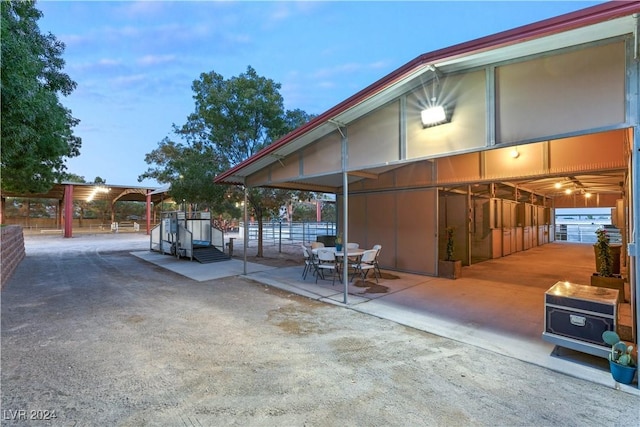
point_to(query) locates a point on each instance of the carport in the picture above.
(66, 192)
(554, 103)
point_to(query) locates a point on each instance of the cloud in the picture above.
(327, 84)
(136, 9)
(337, 69)
(128, 80)
(149, 60)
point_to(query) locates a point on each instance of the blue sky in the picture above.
(134, 62)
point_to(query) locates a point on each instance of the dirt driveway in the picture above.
(94, 336)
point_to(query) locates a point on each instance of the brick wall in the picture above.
(11, 250)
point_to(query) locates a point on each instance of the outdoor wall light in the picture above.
(433, 116)
(515, 153)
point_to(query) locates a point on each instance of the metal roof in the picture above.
(595, 23)
(83, 191)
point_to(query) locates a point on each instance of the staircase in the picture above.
(208, 254)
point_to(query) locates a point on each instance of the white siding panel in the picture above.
(561, 94)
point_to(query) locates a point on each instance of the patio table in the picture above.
(353, 255)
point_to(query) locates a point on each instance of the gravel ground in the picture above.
(94, 336)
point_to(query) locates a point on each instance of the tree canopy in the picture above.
(37, 133)
(233, 119)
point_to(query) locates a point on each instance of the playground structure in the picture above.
(188, 235)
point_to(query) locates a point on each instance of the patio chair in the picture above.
(378, 248)
(315, 245)
(366, 263)
(352, 246)
(326, 262)
(308, 261)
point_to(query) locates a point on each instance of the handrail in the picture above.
(217, 238)
(156, 238)
(185, 242)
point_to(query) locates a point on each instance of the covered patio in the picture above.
(519, 136)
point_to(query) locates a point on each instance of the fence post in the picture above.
(230, 244)
(280, 237)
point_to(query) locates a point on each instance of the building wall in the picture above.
(464, 99)
(375, 139)
(11, 251)
(560, 94)
(397, 210)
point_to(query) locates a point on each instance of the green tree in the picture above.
(233, 119)
(189, 168)
(329, 212)
(304, 211)
(37, 132)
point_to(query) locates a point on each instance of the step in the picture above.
(209, 254)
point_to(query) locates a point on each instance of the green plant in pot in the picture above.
(339, 242)
(449, 267)
(621, 362)
(605, 278)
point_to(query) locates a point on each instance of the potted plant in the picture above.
(605, 278)
(449, 267)
(339, 242)
(621, 363)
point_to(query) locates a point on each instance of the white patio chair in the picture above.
(352, 246)
(326, 262)
(308, 261)
(378, 248)
(366, 263)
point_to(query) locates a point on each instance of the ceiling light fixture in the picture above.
(96, 190)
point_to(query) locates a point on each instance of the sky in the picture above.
(134, 61)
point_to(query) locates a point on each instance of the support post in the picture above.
(345, 212)
(246, 227)
(68, 211)
(148, 212)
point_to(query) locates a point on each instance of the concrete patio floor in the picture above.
(497, 305)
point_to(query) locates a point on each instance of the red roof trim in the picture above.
(569, 21)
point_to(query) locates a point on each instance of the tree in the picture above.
(189, 168)
(232, 121)
(237, 118)
(37, 132)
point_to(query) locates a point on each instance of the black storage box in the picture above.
(577, 315)
(329, 241)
